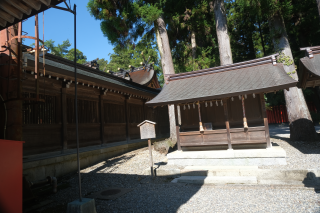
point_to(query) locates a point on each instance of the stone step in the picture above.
(216, 180)
(220, 171)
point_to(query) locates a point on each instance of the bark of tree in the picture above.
(301, 125)
(261, 37)
(194, 48)
(222, 33)
(318, 3)
(167, 66)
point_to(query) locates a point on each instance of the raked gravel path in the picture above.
(159, 195)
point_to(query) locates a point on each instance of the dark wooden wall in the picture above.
(50, 126)
(215, 114)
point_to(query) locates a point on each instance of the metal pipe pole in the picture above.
(76, 96)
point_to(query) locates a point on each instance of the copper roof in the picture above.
(312, 64)
(224, 81)
(142, 76)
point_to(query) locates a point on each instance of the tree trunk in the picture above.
(318, 3)
(167, 67)
(194, 47)
(222, 33)
(261, 37)
(301, 125)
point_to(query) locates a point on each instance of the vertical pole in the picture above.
(200, 122)
(150, 155)
(265, 119)
(37, 56)
(19, 60)
(226, 116)
(245, 124)
(76, 94)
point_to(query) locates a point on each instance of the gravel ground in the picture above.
(159, 195)
(300, 155)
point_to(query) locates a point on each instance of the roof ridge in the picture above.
(227, 67)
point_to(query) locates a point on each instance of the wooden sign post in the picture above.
(147, 131)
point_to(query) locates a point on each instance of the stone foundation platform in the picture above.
(241, 157)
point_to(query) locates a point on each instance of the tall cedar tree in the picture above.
(301, 125)
(124, 21)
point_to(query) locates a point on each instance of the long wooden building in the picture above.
(109, 110)
(223, 105)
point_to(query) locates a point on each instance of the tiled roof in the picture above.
(312, 64)
(66, 66)
(234, 81)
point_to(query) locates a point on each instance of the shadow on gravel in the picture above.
(305, 147)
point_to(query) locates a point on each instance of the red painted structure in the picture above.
(11, 176)
(278, 114)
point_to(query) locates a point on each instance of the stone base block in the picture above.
(86, 206)
(241, 157)
(217, 180)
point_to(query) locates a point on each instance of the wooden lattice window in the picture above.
(136, 114)
(87, 111)
(114, 113)
(39, 112)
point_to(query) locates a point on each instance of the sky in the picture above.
(58, 26)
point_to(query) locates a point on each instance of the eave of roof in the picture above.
(208, 85)
(16, 11)
(67, 67)
(312, 64)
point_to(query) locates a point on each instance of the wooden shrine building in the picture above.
(223, 105)
(309, 72)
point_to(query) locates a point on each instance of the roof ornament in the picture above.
(309, 53)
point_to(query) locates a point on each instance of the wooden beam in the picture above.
(3, 22)
(6, 16)
(32, 3)
(46, 2)
(226, 116)
(20, 6)
(265, 119)
(177, 109)
(101, 110)
(126, 108)
(11, 10)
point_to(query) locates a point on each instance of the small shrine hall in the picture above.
(223, 105)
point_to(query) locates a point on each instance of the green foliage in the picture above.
(131, 55)
(284, 59)
(81, 59)
(62, 50)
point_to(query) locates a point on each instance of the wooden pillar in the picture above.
(126, 108)
(226, 116)
(245, 123)
(265, 119)
(64, 132)
(101, 110)
(145, 110)
(200, 122)
(178, 123)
